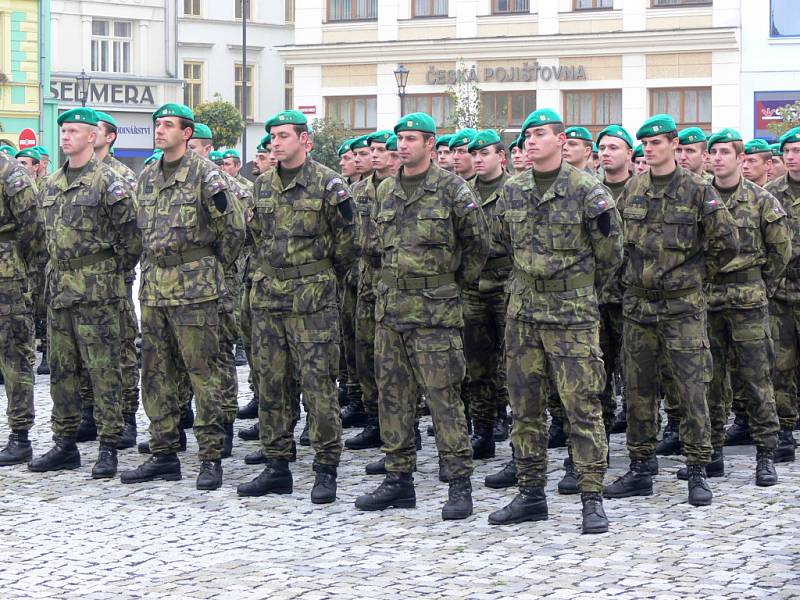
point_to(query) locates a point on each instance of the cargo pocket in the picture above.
(680, 230)
(433, 226)
(183, 213)
(199, 278)
(440, 356)
(566, 230)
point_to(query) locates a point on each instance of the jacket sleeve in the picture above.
(226, 220)
(721, 235)
(122, 212)
(777, 241)
(472, 231)
(341, 216)
(605, 232)
(30, 223)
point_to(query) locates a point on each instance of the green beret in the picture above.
(638, 152)
(105, 117)
(42, 150)
(417, 121)
(174, 110)
(790, 137)
(157, 154)
(656, 125)
(391, 143)
(543, 116)
(444, 140)
(595, 149)
(202, 132)
(776, 149)
(484, 138)
(724, 135)
(286, 117)
(462, 137)
(360, 142)
(309, 129)
(78, 115)
(691, 135)
(262, 145)
(10, 150)
(379, 136)
(215, 155)
(519, 142)
(345, 147)
(757, 146)
(616, 131)
(578, 133)
(231, 153)
(29, 153)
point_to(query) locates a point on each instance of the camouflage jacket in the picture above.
(91, 233)
(242, 198)
(192, 232)
(244, 182)
(765, 246)
(565, 245)
(128, 175)
(21, 235)
(431, 245)
(787, 288)
(494, 276)
(369, 263)
(675, 240)
(304, 239)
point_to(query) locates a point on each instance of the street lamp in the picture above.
(83, 81)
(401, 77)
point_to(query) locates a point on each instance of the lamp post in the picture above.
(401, 77)
(83, 81)
(245, 11)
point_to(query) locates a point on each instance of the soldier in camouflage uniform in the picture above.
(21, 238)
(563, 232)
(444, 156)
(462, 159)
(192, 233)
(92, 240)
(433, 239)
(677, 232)
(578, 148)
(302, 225)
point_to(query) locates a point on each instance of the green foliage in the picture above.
(468, 105)
(328, 135)
(790, 115)
(223, 118)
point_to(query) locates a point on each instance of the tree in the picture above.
(328, 135)
(223, 118)
(790, 118)
(467, 102)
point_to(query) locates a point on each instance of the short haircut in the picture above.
(109, 128)
(184, 123)
(738, 146)
(298, 129)
(557, 128)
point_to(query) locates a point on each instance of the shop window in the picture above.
(359, 113)
(689, 107)
(352, 10)
(594, 109)
(506, 109)
(784, 18)
(439, 106)
(430, 8)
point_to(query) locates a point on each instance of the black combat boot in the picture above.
(255, 458)
(556, 438)
(239, 356)
(738, 434)
(594, 517)
(699, 492)
(87, 429)
(106, 465)
(765, 469)
(305, 440)
(276, 478)
(670, 442)
(353, 414)
(395, 491)
(417, 437)
(251, 433)
(144, 447)
(715, 468)
(652, 465)
(785, 450)
(227, 442)
(63, 455)
(501, 425)
(620, 424)
(158, 466)
(249, 410)
(483, 441)
(636, 482)
(569, 483)
(324, 490)
(504, 478)
(210, 475)
(530, 504)
(431, 431)
(18, 450)
(187, 418)
(44, 366)
(459, 500)
(129, 432)
(370, 436)
(377, 467)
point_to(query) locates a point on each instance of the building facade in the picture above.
(596, 61)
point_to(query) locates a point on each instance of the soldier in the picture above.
(738, 322)
(692, 152)
(44, 161)
(784, 306)
(232, 165)
(393, 156)
(639, 162)
(462, 159)
(30, 159)
(92, 240)
(757, 162)
(21, 238)
(433, 239)
(9, 150)
(577, 149)
(303, 231)
(563, 233)
(444, 156)
(216, 157)
(262, 163)
(347, 166)
(778, 166)
(677, 232)
(191, 235)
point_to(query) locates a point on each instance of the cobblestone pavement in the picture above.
(64, 535)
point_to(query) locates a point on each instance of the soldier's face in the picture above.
(362, 161)
(778, 168)
(231, 166)
(791, 158)
(488, 162)
(543, 143)
(346, 166)
(659, 150)
(77, 137)
(756, 167)
(261, 163)
(393, 162)
(104, 136)
(691, 156)
(201, 147)
(444, 158)
(169, 134)
(414, 148)
(44, 163)
(614, 154)
(725, 160)
(31, 166)
(379, 156)
(576, 152)
(287, 145)
(640, 165)
(462, 161)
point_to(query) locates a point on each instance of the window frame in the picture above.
(194, 82)
(237, 7)
(430, 96)
(594, 128)
(351, 125)
(577, 8)
(773, 33)
(288, 88)
(681, 3)
(197, 14)
(289, 11)
(431, 3)
(680, 119)
(111, 41)
(515, 11)
(509, 107)
(250, 88)
(353, 6)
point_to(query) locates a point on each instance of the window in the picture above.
(690, 107)
(352, 10)
(289, 14)
(784, 18)
(593, 110)
(238, 9)
(111, 46)
(238, 72)
(439, 106)
(193, 88)
(659, 3)
(593, 4)
(430, 8)
(288, 88)
(501, 7)
(506, 109)
(191, 8)
(357, 113)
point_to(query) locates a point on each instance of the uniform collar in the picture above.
(181, 174)
(85, 177)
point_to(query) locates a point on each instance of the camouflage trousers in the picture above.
(347, 315)
(286, 345)
(246, 328)
(189, 334)
(16, 359)
(130, 369)
(434, 359)
(611, 346)
(229, 378)
(484, 350)
(785, 322)
(744, 333)
(682, 344)
(567, 361)
(365, 352)
(86, 336)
